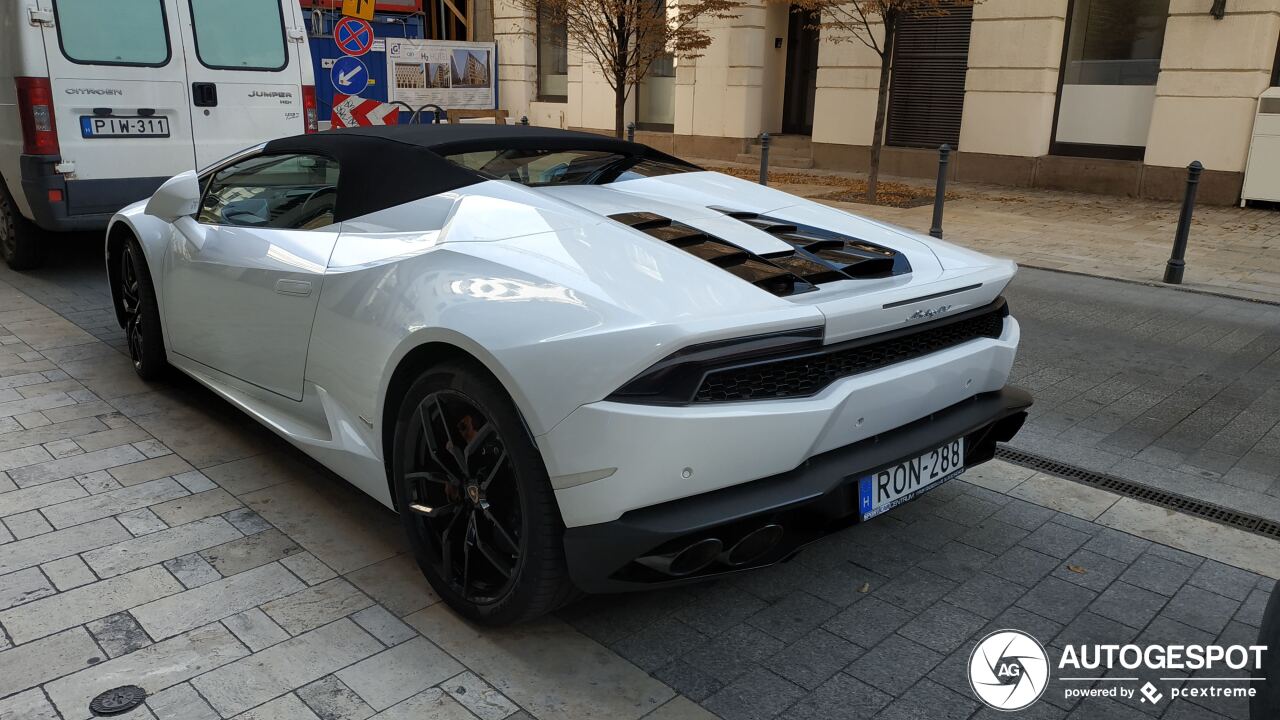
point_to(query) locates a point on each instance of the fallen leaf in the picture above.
(866, 587)
(1076, 569)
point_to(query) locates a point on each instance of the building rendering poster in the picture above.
(451, 74)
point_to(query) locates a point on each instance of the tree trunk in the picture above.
(882, 107)
(620, 67)
(619, 105)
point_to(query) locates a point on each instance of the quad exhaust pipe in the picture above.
(686, 561)
(752, 546)
(699, 554)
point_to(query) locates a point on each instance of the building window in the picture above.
(553, 59)
(1111, 60)
(656, 96)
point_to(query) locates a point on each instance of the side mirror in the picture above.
(179, 196)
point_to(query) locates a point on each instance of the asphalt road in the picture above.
(1166, 388)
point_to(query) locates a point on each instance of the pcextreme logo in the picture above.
(1009, 670)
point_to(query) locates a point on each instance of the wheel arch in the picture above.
(149, 232)
(118, 233)
(416, 361)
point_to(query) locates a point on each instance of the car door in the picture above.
(245, 73)
(119, 85)
(243, 277)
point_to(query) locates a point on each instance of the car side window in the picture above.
(291, 192)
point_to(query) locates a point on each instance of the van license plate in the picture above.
(92, 126)
(883, 490)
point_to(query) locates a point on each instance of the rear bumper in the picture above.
(608, 458)
(85, 204)
(809, 501)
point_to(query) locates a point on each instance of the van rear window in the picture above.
(239, 34)
(120, 32)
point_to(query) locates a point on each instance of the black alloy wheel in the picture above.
(139, 312)
(466, 494)
(475, 500)
(131, 303)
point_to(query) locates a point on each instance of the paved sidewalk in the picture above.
(1232, 251)
(152, 535)
(879, 621)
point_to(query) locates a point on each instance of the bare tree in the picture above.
(875, 24)
(625, 37)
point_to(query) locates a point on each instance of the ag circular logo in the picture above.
(1008, 670)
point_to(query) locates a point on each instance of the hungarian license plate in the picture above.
(92, 126)
(894, 485)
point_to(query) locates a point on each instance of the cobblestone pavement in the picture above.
(1232, 250)
(879, 621)
(1169, 389)
(152, 535)
(149, 534)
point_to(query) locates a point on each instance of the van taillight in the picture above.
(35, 106)
(310, 115)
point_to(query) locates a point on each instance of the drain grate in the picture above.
(1173, 501)
(117, 701)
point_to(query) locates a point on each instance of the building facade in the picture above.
(1112, 96)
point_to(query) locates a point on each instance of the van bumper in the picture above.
(85, 204)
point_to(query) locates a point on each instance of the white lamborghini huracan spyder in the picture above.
(570, 362)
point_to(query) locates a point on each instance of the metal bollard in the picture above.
(940, 192)
(631, 132)
(524, 119)
(764, 158)
(1174, 268)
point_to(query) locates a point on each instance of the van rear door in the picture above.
(245, 73)
(119, 86)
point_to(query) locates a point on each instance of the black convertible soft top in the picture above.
(385, 166)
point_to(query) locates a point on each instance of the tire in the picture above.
(21, 243)
(141, 313)
(476, 500)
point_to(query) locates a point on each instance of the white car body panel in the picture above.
(237, 295)
(718, 445)
(563, 306)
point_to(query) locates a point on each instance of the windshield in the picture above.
(561, 167)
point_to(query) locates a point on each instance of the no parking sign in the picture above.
(354, 36)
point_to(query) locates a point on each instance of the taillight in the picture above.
(35, 107)
(310, 116)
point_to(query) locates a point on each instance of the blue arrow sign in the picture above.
(349, 75)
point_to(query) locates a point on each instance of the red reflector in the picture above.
(35, 112)
(55, 196)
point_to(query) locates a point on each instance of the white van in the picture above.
(103, 100)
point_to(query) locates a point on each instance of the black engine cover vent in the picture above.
(848, 256)
(781, 276)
